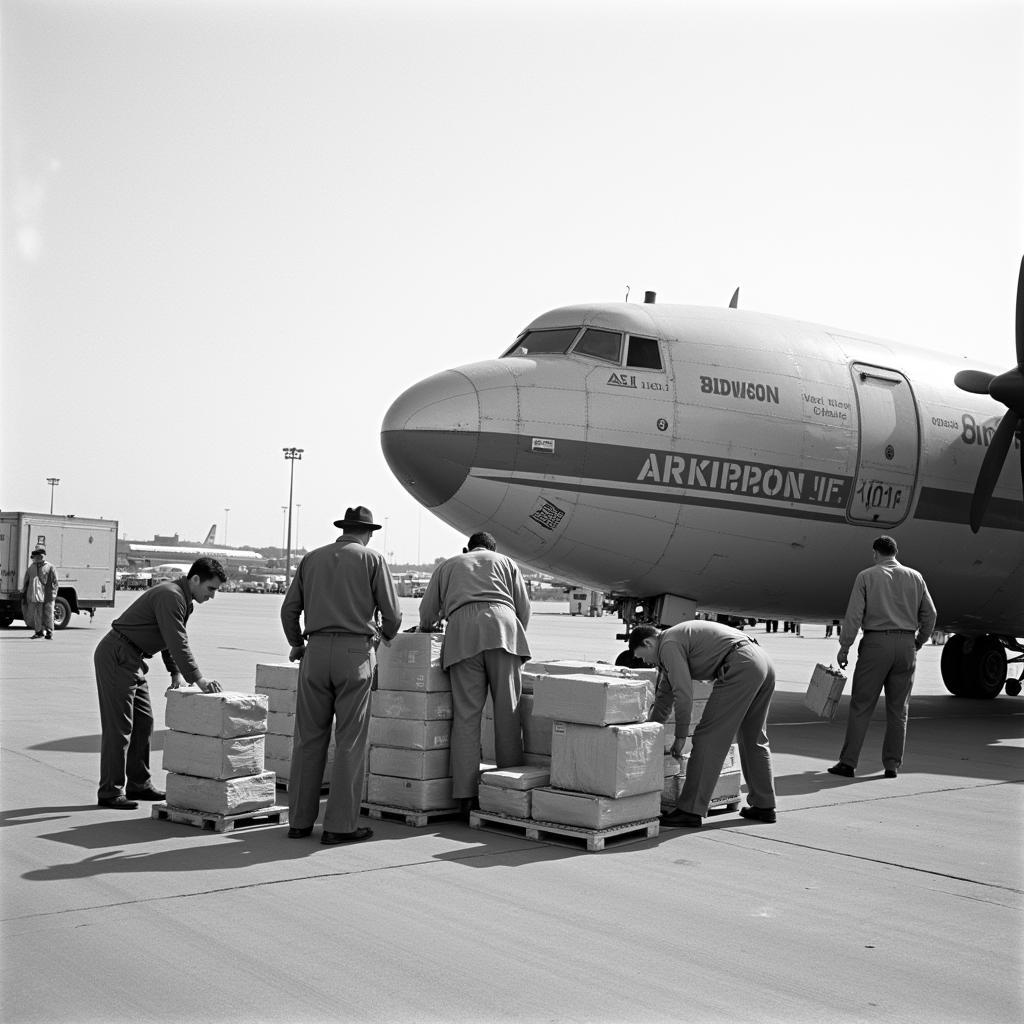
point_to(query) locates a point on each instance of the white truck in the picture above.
(83, 551)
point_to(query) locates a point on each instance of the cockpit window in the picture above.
(643, 353)
(600, 344)
(540, 342)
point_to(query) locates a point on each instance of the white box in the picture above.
(520, 777)
(407, 732)
(536, 728)
(590, 700)
(613, 761)
(424, 707)
(278, 701)
(515, 803)
(677, 766)
(213, 757)
(277, 677)
(412, 661)
(216, 714)
(537, 760)
(280, 723)
(221, 796)
(409, 764)
(824, 691)
(414, 794)
(695, 716)
(727, 788)
(586, 810)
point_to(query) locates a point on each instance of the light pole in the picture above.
(226, 511)
(52, 481)
(291, 454)
(298, 516)
(284, 521)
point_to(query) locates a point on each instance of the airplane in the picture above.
(211, 537)
(683, 458)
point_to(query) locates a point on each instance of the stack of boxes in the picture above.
(279, 684)
(214, 752)
(606, 764)
(410, 727)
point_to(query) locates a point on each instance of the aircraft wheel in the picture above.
(951, 666)
(61, 613)
(983, 667)
(1013, 687)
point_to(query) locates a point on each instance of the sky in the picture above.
(235, 226)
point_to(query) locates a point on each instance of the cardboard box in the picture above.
(614, 761)
(670, 726)
(585, 810)
(281, 747)
(281, 723)
(536, 729)
(824, 691)
(221, 796)
(521, 777)
(282, 768)
(515, 803)
(278, 701)
(277, 677)
(409, 764)
(216, 714)
(406, 732)
(727, 789)
(590, 700)
(677, 766)
(412, 661)
(213, 757)
(413, 794)
(423, 707)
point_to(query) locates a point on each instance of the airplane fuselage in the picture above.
(740, 461)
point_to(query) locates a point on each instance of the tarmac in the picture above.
(869, 900)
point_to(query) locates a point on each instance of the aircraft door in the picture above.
(889, 447)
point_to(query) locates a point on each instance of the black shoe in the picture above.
(841, 769)
(467, 805)
(300, 833)
(36, 636)
(336, 838)
(49, 635)
(117, 803)
(765, 814)
(681, 819)
(146, 793)
(891, 773)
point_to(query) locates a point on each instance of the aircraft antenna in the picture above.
(627, 293)
(734, 302)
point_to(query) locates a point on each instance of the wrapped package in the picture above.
(216, 714)
(221, 796)
(413, 794)
(520, 777)
(590, 700)
(727, 788)
(407, 732)
(424, 707)
(409, 764)
(277, 677)
(536, 729)
(213, 757)
(515, 803)
(412, 661)
(613, 761)
(586, 810)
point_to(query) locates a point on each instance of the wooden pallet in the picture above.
(406, 815)
(213, 822)
(594, 839)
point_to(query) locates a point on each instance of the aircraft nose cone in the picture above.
(430, 435)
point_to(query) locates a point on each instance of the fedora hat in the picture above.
(358, 518)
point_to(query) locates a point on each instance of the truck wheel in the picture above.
(5, 620)
(61, 613)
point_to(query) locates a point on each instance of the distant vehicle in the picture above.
(253, 587)
(169, 571)
(83, 551)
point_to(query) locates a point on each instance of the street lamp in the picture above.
(284, 523)
(226, 511)
(52, 481)
(291, 454)
(298, 516)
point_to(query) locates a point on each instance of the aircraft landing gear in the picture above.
(974, 666)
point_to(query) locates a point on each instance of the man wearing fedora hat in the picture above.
(40, 595)
(339, 590)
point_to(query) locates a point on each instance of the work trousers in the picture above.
(736, 710)
(500, 673)
(335, 676)
(126, 717)
(39, 615)
(885, 661)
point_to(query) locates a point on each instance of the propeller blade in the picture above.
(991, 467)
(1020, 317)
(975, 381)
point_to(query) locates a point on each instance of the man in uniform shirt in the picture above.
(743, 681)
(892, 604)
(484, 599)
(153, 623)
(339, 588)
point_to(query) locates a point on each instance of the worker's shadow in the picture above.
(36, 815)
(91, 744)
(816, 781)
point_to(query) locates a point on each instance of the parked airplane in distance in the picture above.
(685, 458)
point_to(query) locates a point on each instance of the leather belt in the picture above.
(135, 647)
(898, 632)
(732, 650)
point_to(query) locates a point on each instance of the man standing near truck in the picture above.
(40, 594)
(153, 624)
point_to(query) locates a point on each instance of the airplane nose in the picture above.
(430, 435)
